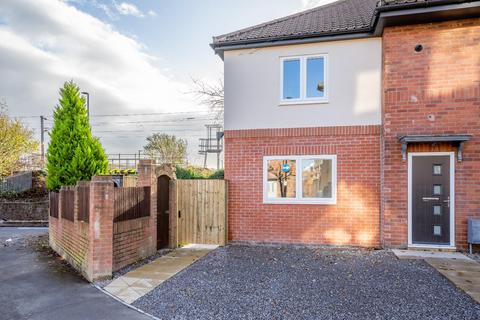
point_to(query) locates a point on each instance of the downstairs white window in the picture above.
(300, 179)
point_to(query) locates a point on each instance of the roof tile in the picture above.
(340, 17)
(344, 16)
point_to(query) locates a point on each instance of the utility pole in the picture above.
(42, 139)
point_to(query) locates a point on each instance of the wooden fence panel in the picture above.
(83, 202)
(67, 197)
(54, 205)
(202, 216)
(131, 203)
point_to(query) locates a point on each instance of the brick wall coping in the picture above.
(313, 131)
(23, 202)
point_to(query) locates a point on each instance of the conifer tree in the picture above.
(73, 153)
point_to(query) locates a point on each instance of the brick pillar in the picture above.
(148, 178)
(100, 249)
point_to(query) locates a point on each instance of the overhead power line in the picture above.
(147, 131)
(193, 136)
(148, 114)
(130, 114)
(24, 117)
(151, 121)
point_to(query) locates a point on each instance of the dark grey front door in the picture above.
(431, 200)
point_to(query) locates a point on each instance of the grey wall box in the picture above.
(473, 232)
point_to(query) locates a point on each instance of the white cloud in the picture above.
(309, 4)
(111, 13)
(44, 43)
(152, 13)
(129, 9)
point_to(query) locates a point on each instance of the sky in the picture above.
(136, 59)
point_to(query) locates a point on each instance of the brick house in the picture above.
(355, 123)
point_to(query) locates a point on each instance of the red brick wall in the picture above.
(131, 241)
(70, 240)
(101, 246)
(354, 220)
(443, 82)
(100, 235)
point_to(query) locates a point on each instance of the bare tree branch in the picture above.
(211, 95)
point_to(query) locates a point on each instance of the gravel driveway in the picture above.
(256, 282)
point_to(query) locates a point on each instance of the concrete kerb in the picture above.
(124, 303)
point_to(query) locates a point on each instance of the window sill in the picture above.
(302, 102)
(295, 201)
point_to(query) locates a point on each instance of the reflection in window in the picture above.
(437, 189)
(437, 210)
(437, 230)
(315, 182)
(291, 79)
(281, 179)
(437, 169)
(317, 178)
(315, 77)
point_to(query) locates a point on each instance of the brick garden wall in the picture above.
(24, 210)
(70, 240)
(99, 246)
(436, 91)
(354, 220)
(130, 242)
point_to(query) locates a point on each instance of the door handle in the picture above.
(447, 202)
(430, 199)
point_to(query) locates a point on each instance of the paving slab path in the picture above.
(137, 283)
(465, 274)
(462, 271)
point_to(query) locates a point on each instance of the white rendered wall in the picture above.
(252, 86)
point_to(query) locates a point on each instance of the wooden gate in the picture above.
(201, 211)
(163, 211)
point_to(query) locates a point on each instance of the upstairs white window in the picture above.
(304, 79)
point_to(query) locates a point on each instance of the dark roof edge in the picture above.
(392, 16)
(412, 5)
(428, 14)
(301, 13)
(219, 49)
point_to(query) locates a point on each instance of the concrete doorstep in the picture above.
(421, 254)
(462, 271)
(137, 283)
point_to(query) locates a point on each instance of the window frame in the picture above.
(303, 80)
(299, 181)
